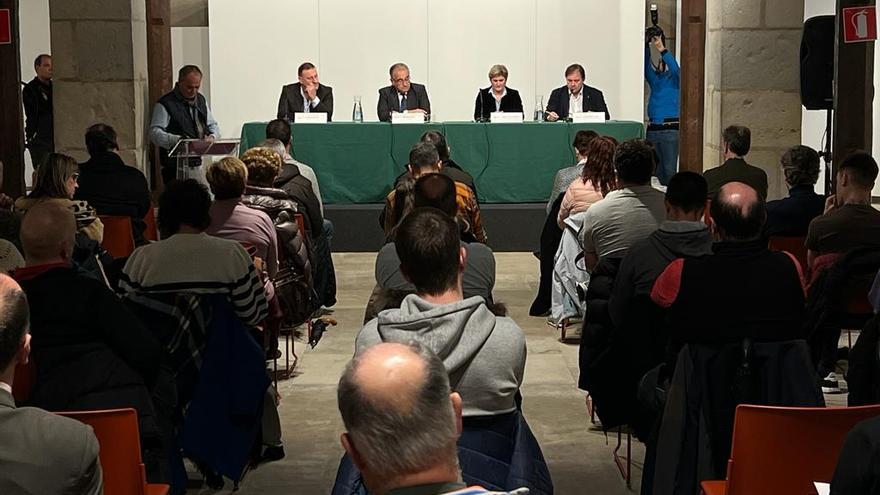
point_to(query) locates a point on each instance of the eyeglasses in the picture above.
(398, 81)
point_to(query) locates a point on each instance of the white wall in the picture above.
(813, 121)
(189, 46)
(449, 46)
(33, 21)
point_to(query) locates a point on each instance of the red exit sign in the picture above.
(5, 27)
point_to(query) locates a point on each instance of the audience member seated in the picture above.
(478, 279)
(187, 260)
(849, 221)
(628, 214)
(483, 353)
(89, 351)
(109, 185)
(682, 235)
(737, 141)
(742, 290)
(263, 166)
(232, 219)
(448, 167)
(10, 257)
(565, 176)
(639, 336)
(402, 421)
(299, 188)
(597, 179)
(791, 216)
(858, 467)
(424, 159)
(41, 452)
(279, 129)
(56, 181)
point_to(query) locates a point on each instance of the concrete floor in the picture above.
(580, 457)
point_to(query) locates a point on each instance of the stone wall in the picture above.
(99, 52)
(752, 79)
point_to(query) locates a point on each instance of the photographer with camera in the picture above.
(663, 103)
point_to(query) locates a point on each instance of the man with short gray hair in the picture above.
(402, 421)
(402, 96)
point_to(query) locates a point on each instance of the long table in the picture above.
(511, 163)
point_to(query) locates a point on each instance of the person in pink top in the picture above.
(597, 179)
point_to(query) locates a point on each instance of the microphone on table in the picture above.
(482, 109)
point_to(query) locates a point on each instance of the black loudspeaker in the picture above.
(817, 63)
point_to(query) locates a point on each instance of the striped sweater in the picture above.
(198, 264)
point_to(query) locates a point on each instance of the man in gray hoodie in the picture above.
(484, 355)
(682, 235)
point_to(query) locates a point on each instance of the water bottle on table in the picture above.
(357, 113)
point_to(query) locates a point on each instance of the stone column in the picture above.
(99, 52)
(753, 79)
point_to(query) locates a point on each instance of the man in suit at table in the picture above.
(306, 96)
(402, 95)
(39, 451)
(575, 96)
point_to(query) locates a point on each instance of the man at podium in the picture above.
(182, 113)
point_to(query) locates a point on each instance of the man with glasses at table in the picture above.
(402, 95)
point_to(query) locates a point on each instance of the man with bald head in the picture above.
(402, 421)
(40, 452)
(92, 352)
(742, 289)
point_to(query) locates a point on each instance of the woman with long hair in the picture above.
(597, 179)
(56, 180)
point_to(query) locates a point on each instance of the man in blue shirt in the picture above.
(665, 82)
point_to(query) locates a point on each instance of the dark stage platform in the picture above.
(510, 227)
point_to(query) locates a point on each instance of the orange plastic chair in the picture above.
(151, 233)
(25, 377)
(785, 449)
(793, 245)
(118, 240)
(118, 437)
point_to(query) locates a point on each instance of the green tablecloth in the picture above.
(510, 163)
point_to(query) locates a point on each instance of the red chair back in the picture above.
(785, 449)
(118, 240)
(792, 245)
(151, 233)
(23, 384)
(118, 437)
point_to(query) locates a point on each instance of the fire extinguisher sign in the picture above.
(859, 24)
(5, 27)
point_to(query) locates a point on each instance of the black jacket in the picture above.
(791, 216)
(113, 188)
(291, 101)
(593, 101)
(863, 374)
(597, 327)
(484, 105)
(858, 467)
(37, 98)
(296, 186)
(709, 382)
(417, 97)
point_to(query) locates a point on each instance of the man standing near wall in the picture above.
(39, 129)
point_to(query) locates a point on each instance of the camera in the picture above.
(653, 31)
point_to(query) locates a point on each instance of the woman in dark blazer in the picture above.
(497, 97)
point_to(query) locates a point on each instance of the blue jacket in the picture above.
(496, 452)
(223, 418)
(664, 100)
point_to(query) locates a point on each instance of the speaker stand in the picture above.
(826, 153)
